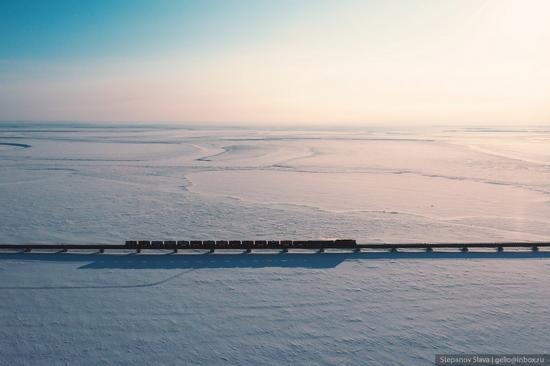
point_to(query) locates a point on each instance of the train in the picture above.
(242, 244)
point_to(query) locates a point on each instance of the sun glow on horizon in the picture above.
(449, 62)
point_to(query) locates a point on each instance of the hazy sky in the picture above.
(339, 62)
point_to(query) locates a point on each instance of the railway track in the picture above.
(282, 245)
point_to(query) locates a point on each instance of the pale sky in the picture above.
(475, 62)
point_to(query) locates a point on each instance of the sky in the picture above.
(339, 62)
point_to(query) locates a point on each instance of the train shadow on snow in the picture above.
(303, 259)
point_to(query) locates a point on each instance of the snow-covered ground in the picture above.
(106, 184)
(97, 184)
(270, 309)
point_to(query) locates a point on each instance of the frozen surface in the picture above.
(270, 309)
(96, 184)
(79, 184)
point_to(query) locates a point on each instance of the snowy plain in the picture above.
(105, 184)
(98, 184)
